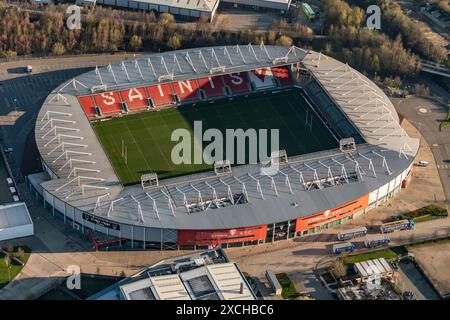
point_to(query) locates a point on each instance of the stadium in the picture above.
(104, 140)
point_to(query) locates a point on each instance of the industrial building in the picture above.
(181, 8)
(205, 275)
(15, 221)
(191, 9)
(281, 6)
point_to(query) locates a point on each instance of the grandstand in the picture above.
(344, 154)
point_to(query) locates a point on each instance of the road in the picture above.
(425, 115)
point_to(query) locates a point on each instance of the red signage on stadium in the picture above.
(332, 215)
(213, 237)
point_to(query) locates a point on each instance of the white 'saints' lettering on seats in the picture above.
(186, 84)
(211, 82)
(109, 99)
(161, 92)
(236, 79)
(134, 94)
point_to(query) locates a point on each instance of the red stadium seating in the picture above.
(87, 103)
(213, 86)
(109, 102)
(186, 90)
(136, 98)
(161, 94)
(282, 74)
(238, 82)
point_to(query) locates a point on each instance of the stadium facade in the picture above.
(310, 192)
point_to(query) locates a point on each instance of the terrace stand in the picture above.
(149, 180)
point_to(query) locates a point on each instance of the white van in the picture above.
(423, 163)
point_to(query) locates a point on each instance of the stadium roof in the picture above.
(369, 109)
(181, 65)
(314, 182)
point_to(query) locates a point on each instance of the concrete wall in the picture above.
(16, 232)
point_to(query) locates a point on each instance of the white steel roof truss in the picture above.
(154, 206)
(110, 70)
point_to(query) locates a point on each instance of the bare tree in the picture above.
(338, 268)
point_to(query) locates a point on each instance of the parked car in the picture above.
(13, 190)
(9, 181)
(422, 163)
(408, 295)
(16, 198)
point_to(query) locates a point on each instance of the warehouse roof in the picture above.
(272, 4)
(201, 5)
(375, 267)
(14, 215)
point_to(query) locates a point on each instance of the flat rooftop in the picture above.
(14, 215)
(204, 275)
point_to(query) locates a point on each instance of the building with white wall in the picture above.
(15, 221)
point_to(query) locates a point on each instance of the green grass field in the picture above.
(14, 268)
(147, 135)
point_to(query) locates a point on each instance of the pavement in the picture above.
(411, 279)
(434, 259)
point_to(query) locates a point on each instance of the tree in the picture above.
(8, 54)
(166, 18)
(135, 43)
(376, 63)
(10, 248)
(338, 268)
(58, 49)
(7, 261)
(174, 42)
(284, 41)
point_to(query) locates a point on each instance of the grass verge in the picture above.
(14, 267)
(289, 292)
(388, 254)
